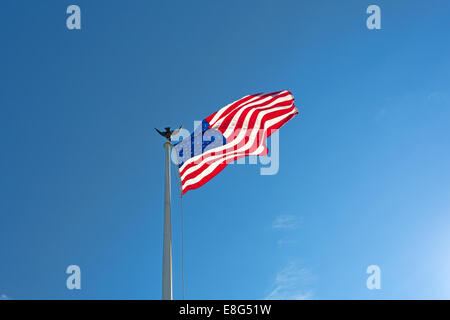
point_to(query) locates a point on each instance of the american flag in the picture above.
(237, 130)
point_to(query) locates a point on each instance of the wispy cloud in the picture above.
(292, 283)
(437, 96)
(286, 222)
(285, 241)
(4, 297)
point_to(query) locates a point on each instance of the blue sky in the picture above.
(364, 168)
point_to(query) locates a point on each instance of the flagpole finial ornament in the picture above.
(169, 133)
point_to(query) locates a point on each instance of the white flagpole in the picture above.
(167, 245)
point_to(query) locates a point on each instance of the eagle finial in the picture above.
(169, 133)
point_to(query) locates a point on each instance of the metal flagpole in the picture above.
(167, 245)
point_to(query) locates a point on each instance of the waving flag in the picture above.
(237, 130)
